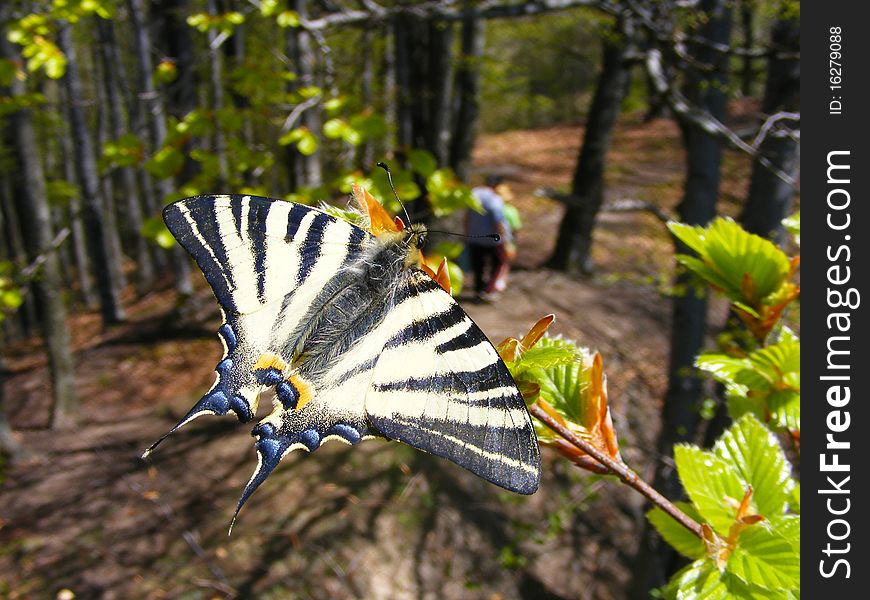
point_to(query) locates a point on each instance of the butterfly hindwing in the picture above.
(440, 386)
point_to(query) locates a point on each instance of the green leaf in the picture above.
(289, 18)
(756, 455)
(307, 144)
(546, 357)
(712, 484)
(701, 580)
(746, 267)
(684, 541)
(794, 499)
(154, 229)
(765, 558)
(166, 162)
(422, 162)
(765, 383)
(334, 128)
(561, 385)
(11, 299)
(8, 69)
(698, 581)
(792, 224)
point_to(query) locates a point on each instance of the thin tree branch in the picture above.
(619, 469)
(678, 103)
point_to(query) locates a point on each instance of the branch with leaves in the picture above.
(741, 525)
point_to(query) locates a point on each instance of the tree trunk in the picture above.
(125, 177)
(468, 96)
(147, 121)
(216, 64)
(79, 243)
(656, 560)
(748, 23)
(35, 213)
(365, 156)
(404, 93)
(574, 244)
(181, 99)
(8, 443)
(107, 185)
(770, 198)
(26, 315)
(440, 80)
(305, 60)
(86, 168)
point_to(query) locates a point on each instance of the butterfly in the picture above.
(353, 339)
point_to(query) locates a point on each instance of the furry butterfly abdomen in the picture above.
(354, 340)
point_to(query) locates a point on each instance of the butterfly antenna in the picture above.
(386, 168)
(490, 236)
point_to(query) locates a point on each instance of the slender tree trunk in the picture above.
(36, 215)
(79, 242)
(147, 119)
(25, 320)
(440, 78)
(86, 168)
(27, 317)
(680, 411)
(306, 65)
(364, 155)
(468, 96)
(107, 185)
(747, 8)
(8, 443)
(770, 198)
(181, 100)
(390, 88)
(216, 64)
(125, 177)
(574, 244)
(234, 52)
(403, 85)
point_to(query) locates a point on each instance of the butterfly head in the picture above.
(416, 235)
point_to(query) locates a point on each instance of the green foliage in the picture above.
(10, 294)
(154, 229)
(224, 23)
(749, 269)
(683, 541)
(792, 224)
(765, 382)
(126, 151)
(741, 490)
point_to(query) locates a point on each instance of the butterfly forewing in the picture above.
(266, 260)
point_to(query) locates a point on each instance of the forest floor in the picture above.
(82, 512)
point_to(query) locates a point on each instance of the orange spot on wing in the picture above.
(267, 361)
(306, 393)
(380, 220)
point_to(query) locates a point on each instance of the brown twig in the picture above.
(619, 469)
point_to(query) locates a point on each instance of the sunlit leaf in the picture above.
(759, 460)
(683, 541)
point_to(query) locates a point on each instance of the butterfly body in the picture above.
(353, 339)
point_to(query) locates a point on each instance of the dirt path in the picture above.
(379, 521)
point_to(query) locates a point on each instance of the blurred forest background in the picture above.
(606, 118)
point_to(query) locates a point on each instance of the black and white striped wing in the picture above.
(440, 386)
(266, 261)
